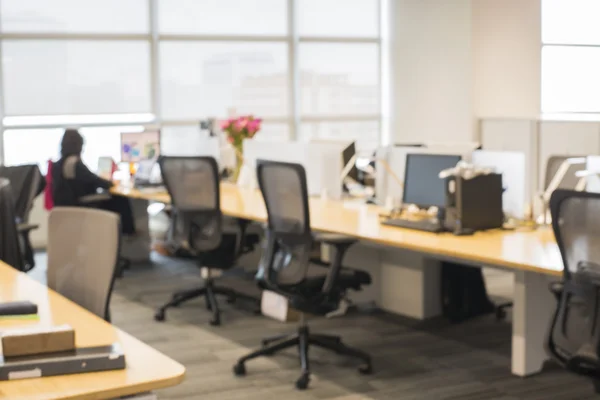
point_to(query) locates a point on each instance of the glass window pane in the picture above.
(223, 17)
(336, 18)
(99, 142)
(570, 79)
(366, 133)
(570, 21)
(48, 77)
(78, 16)
(339, 79)
(210, 79)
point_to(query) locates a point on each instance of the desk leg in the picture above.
(410, 284)
(532, 310)
(137, 248)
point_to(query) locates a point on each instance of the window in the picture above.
(47, 77)
(214, 79)
(74, 16)
(223, 17)
(570, 56)
(308, 68)
(335, 18)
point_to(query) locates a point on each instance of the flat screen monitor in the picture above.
(139, 146)
(105, 168)
(422, 184)
(347, 155)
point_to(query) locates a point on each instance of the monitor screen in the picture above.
(139, 146)
(347, 154)
(422, 185)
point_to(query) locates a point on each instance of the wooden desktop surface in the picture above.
(523, 250)
(147, 369)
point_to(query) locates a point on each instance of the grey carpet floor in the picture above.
(413, 360)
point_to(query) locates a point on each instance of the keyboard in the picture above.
(426, 225)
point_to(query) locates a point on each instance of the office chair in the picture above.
(83, 249)
(573, 339)
(285, 267)
(569, 182)
(27, 183)
(10, 248)
(193, 184)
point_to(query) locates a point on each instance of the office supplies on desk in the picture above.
(90, 359)
(17, 308)
(37, 340)
(426, 224)
(473, 199)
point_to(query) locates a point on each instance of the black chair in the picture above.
(10, 249)
(285, 267)
(27, 183)
(574, 336)
(193, 184)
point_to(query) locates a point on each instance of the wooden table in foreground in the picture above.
(147, 369)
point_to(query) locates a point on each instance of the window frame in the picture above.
(154, 38)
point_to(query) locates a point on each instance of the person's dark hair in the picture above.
(71, 144)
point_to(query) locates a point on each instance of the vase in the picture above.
(239, 162)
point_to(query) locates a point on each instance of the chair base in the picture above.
(209, 291)
(303, 339)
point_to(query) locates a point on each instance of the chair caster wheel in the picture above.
(302, 382)
(366, 369)
(500, 314)
(159, 316)
(215, 322)
(239, 369)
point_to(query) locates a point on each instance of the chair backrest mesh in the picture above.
(25, 182)
(576, 223)
(10, 250)
(570, 180)
(284, 189)
(83, 249)
(193, 184)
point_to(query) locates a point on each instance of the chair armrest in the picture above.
(333, 238)
(93, 198)
(24, 228)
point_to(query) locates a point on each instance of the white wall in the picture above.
(431, 72)
(455, 62)
(506, 43)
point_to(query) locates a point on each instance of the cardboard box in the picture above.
(276, 306)
(31, 341)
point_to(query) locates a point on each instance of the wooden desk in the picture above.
(147, 369)
(534, 251)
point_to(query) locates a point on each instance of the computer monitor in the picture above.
(105, 167)
(422, 184)
(138, 146)
(348, 155)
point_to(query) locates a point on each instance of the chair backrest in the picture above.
(193, 184)
(552, 166)
(574, 331)
(285, 192)
(10, 249)
(83, 249)
(27, 183)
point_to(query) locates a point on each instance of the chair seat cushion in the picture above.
(310, 298)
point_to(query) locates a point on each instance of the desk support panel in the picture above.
(532, 310)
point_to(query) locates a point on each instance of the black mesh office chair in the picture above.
(193, 184)
(285, 267)
(27, 183)
(10, 250)
(574, 336)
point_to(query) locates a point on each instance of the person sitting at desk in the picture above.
(73, 184)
